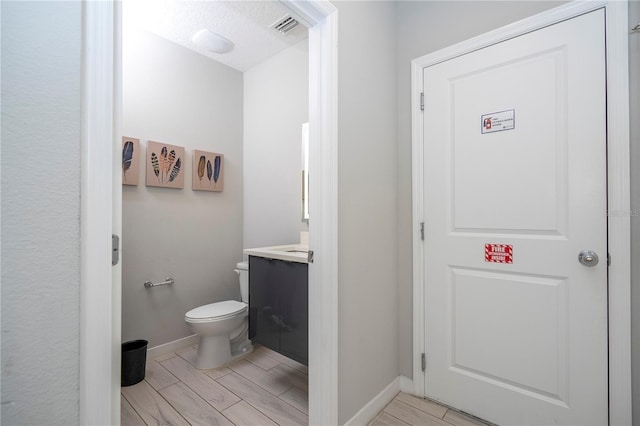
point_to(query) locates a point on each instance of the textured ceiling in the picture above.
(245, 23)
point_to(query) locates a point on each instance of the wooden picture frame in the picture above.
(208, 171)
(130, 160)
(165, 165)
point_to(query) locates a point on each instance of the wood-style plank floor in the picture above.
(264, 388)
(407, 409)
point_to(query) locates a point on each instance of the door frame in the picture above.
(321, 17)
(100, 212)
(100, 215)
(618, 186)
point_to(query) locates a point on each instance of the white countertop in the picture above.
(292, 252)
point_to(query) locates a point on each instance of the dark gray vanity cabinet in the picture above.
(279, 306)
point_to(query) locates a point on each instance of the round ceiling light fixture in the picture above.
(211, 41)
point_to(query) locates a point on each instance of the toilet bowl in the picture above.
(222, 327)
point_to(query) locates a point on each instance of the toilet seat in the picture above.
(216, 311)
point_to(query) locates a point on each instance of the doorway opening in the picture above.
(100, 334)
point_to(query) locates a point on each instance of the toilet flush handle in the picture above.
(237, 271)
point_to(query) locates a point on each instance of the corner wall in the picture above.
(41, 131)
(367, 203)
(276, 103)
(176, 96)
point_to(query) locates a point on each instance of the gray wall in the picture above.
(423, 28)
(276, 103)
(367, 211)
(173, 95)
(634, 91)
(41, 83)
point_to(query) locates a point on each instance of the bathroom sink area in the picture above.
(279, 300)
(290, 252)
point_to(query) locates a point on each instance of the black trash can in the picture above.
(134, 360)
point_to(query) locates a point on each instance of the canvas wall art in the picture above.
(130, 160)
(208, 171)
(165, 165)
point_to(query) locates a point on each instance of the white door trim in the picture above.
(322, 20)
(100, 211)
(99, 330)
(618, 186)
(619, 199)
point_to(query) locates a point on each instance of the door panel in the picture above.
(515, 188)
(526, 193)
(531, 337)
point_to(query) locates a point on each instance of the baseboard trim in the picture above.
(406, 385)
(167, 348)
(377, 403)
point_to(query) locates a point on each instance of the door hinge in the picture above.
(115, 249)
(310, 256)
(608, 259)
(422, 231)
(424, 362)
(421, 101)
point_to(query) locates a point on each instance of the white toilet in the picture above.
(222, 326)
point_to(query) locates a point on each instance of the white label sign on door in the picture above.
(499, 121)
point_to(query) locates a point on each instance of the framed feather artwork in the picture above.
(207, 171)
(165, 165)
(130, 160)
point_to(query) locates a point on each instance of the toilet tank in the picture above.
(242, 269)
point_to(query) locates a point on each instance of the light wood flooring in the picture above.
(264, 388)
(407, 409)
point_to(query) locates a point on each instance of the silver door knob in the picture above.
(588, 258)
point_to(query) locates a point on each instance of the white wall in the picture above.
(176, 96)
(425, 27)
(276, 103)
(41, 87)
(367, 203)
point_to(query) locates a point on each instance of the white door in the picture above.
(514, 189)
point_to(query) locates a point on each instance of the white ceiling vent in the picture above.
(284, 24)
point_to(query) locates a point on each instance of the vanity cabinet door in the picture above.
(264, 322)
(294, 303)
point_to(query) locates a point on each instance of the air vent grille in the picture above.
(284, 25)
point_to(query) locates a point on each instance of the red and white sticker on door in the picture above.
(498, 253)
